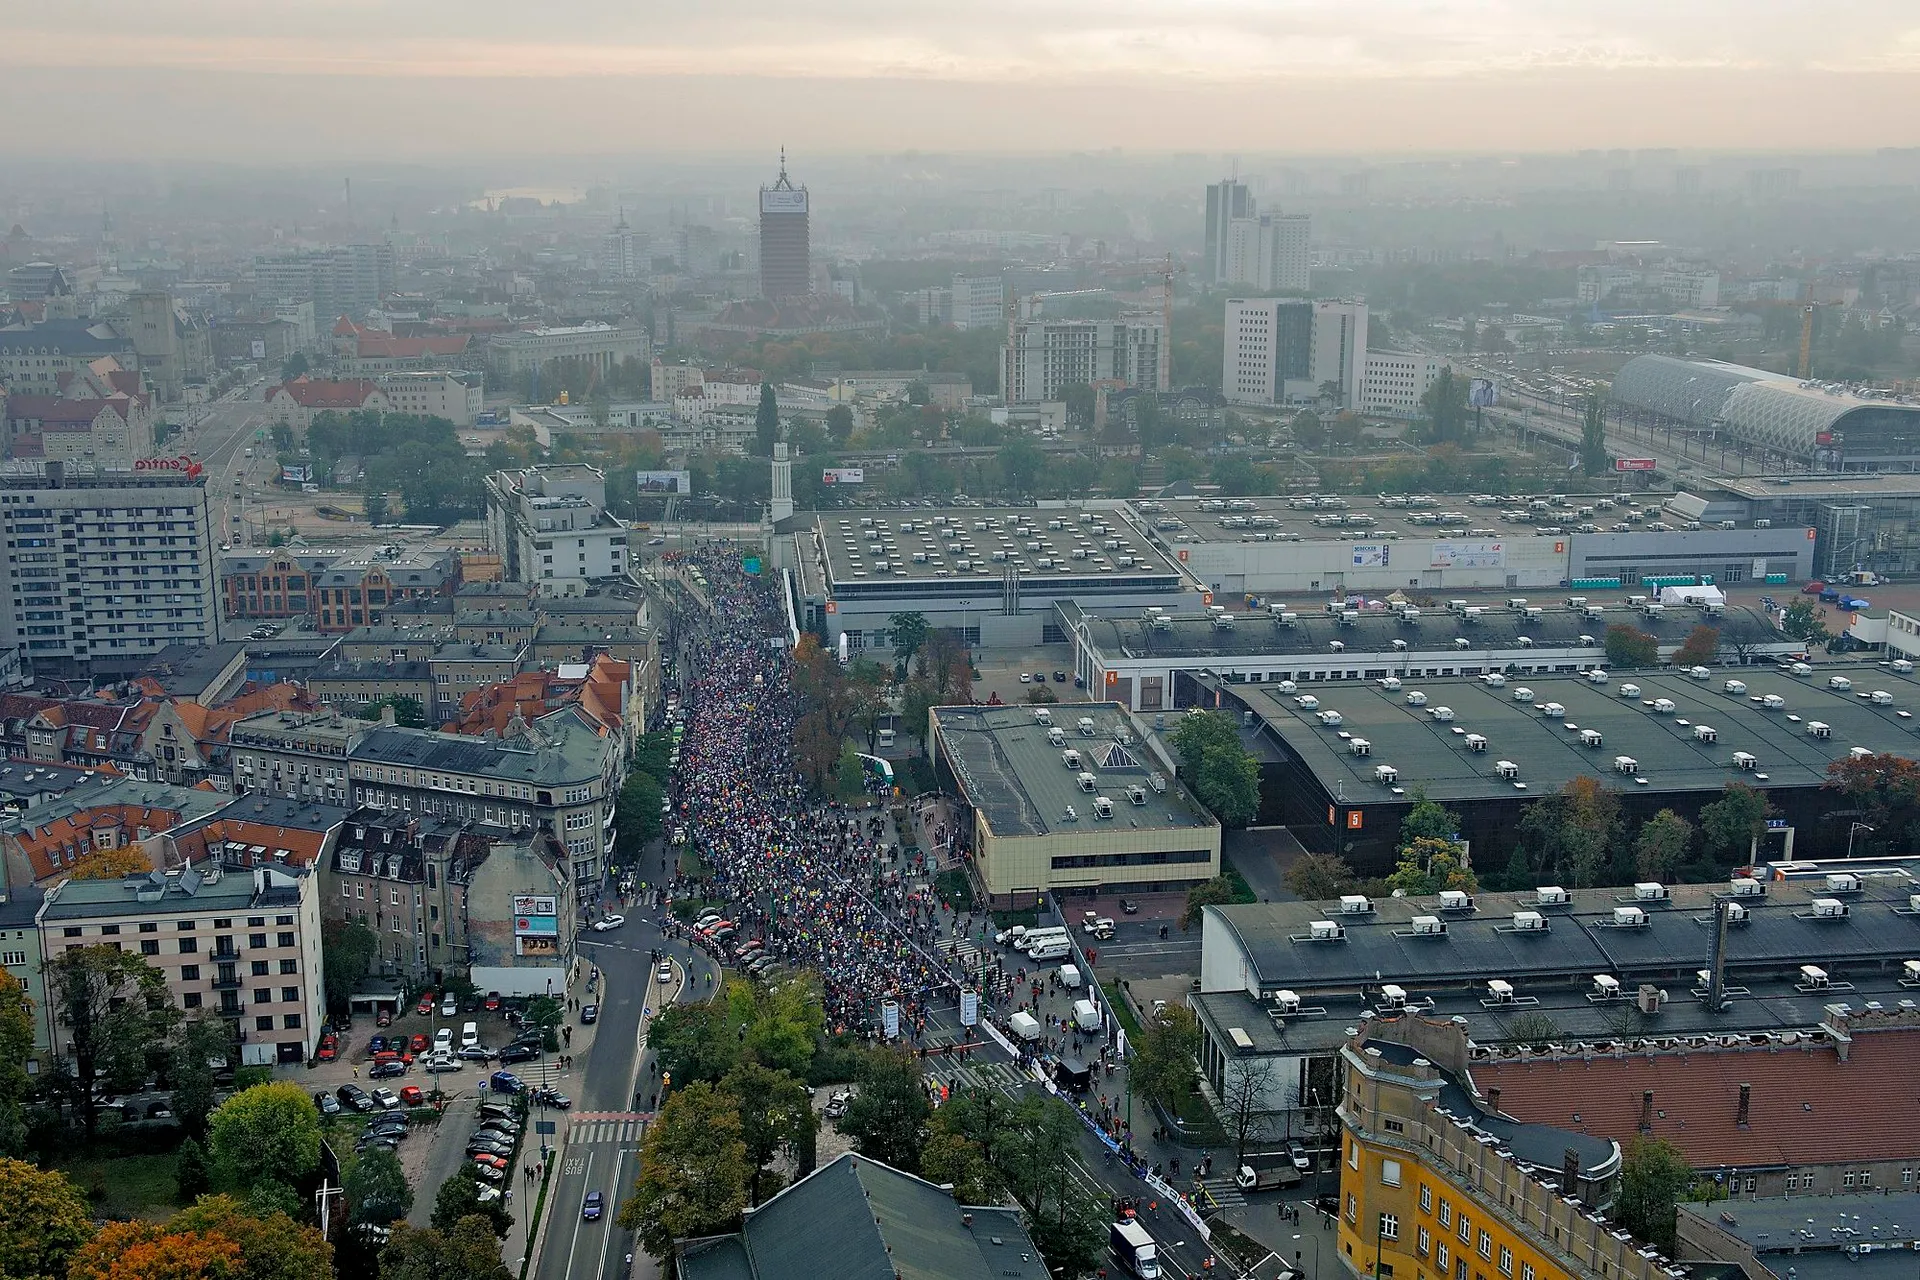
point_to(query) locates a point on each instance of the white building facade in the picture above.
(1043, 357)
(1395, 381)
(435, 393)
(1270, 252)
(552, 528)
(1291, 351)
(603, 345)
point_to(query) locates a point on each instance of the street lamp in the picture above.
(1852, 828)
(1316, 1254)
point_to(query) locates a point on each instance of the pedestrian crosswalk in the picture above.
(1220, 1193)
(1004, 1076)
(963, 952)
(607, 1126)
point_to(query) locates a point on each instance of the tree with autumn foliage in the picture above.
(272, 1245)
(1702, 646)
(1886, 789)
(116, 863)
(43, 1220)
(142, 1250)
(1569, 837)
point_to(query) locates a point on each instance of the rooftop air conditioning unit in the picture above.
(1042, 716)
(1663, 706)
(1325, 931)
(1625, 764)
(1745, 760)
(1286, 686)
(1455, 900)
(1337, 646)
(1880, 698)
(1286, 1001)
(1086, 726)
(1859, 753)
(1590, 738)
(1071, 759)
(1386, 775)
(1828, 908)
(1606, 986)
(1523, 694)
(1506, 769)
(1650, 891)
(1839, 684)
(1476, 742)
(1499, 991)
(1736, 914)
(1843, 882)
(1442, 714)
(1359, 746)
(1461, 642)
(1392, 996)
(1391, 684)
(1902, 667)
(1629, 918)
(1597, 676)
(1812, 975)
(1102, 807)
(1705, 733)
(1429, 925)
(1086, 781)
(1773, 702)
(1493, 680)
(1746, 887)
(1529, 922)
(1399, 646)
(1416, 699)
(1355, 904)
(1551, 895)
(1331, 719)
(1307, 702)
(1554, 711)
(1137, 794)
(1525, 642)
(1734, 687)
(1629, 690)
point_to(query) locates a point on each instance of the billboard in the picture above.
(844, 475)
(1468, 555)
(680, 482)
(969, 1007)
(1371, 555)
(1633, 464)
(535, 904)
(782, 200)
(1482, 394)
(258, 348)
(297, 473)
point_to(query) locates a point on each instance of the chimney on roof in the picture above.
(1646, 1111)
(386, 714)
(1493, 1099)
(1746, 1105)
(1569, 1172)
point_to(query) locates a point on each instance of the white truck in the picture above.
(1086, 1016)
(1134, 1250)
(1025, 1026)
(1266, 1171)
(1070, 976)
(1049, 949)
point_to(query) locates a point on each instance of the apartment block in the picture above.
(552, 527)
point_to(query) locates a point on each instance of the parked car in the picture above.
(387, 1069)
(448, 1005)
(411, 1096)
(492, 1003)
(386, 1099)
(665, 972)
(518, 1053)
(497, 1111)
(377, 1045)
(837, 1105)
(589, 1014)
(352, 1095)
(425, 1006)
(594, 1206)
(377, 1141)
(475, 1053)
(328, 1104)
(384, 1018)
(1128, 907)
(1025, 678)
(329, 1048)
(505, 1082)
(489, 1160)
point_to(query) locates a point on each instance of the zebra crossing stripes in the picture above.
(1004, 1076)
(607, 1126)
(1221, 1193)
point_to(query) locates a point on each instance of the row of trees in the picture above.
(1219, 768)
(420, 458)
(636, 819)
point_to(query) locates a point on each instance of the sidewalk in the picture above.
(1311, 1246)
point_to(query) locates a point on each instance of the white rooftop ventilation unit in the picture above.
(1839, 684)
(1746, 887)
(1828, 908)
(1629, 691)
(1476, 742)
(1429, 925)
(1307, 702)
(1880, 698)
(1071, 759)
(1325, 931)
(1663, 706)
(1386, 775)
(1499, 991)
(1086, 726)
(1529, 922)
(1393, 996)
(1650, 891)
(1734, 687)
(1331, 719)
(1812, 976)
(1355, 904)
(1902, 667)
(1625, 764)
(1456, 900)
(1523, 694)
(1551, 895)
(1843, 882)
(1819, 729)
(1554, 711)
(1391, 684)
(1103, 806)
(1416, 699)
(1086, 781)
(1745, 760)
(1442, 714)
(1137, 794)
(1605, 987)
(1055, 738)
(1597, 676)
(1859, 753)
(1506, 769)
(1286, 1001)
(1591, 738)
(1042, 716)
(1705, 733)
(1359, 746)
(1629, 918)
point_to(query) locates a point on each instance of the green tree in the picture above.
(774, 1115)
(1034, 1155)
(459, 1197)
(43, 1222)
(267, 1134)
(950, 1159)
(693, 1171)
(839, 423)
(1430, 864)
(766, 421)
(1222, 772)
(16, 1046)
(407, 712)
(1631, 647)
(273, 1246)
(1593, 438)
(1165, 1060)
(1806, 623)
(694, 1042)
(375, 505)
(1318, 877)
(1443, 406)
(1653, 1177)
(1702, 646)
(201, 1047)
(347, 952)
(636, 819)
(293, 366)
(1730, 825)
(1662, 847)
(192, 1174)
(910, 631)
(887, 1118)
(116, 1009)
(1429, 819)
(469, 1252)
(1021, 465)
(377, 1188)
(1216, 892)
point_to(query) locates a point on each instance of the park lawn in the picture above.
(135, 1186)
(1116, 1000)
(955, 888)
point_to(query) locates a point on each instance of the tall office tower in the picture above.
(1290, 259)
(1226, 201)
(122, 565)
(979, 302)
(1291, 351)
(784, 268)
(1268, 252)
(619, 258)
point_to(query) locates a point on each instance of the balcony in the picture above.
(228, 982)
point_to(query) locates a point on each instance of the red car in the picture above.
(425, 1006)
(419, 1044)
(329, 1049)
(493, 1002)
(492, 1162)
(412, 1097)
(1813, 588)
(383, 1019)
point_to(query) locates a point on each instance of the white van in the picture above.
(470, 1036)
(1086, 1015)
(1070, 976)
(1050, 949)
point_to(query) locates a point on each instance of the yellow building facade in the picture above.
(1432, 1187)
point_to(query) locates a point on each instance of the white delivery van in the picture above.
(1086, 1015)
(1049, 949)
(1070, 977)
(1025, 1026)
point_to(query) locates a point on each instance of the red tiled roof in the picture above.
(1806, 1105)
(310, 394)
(52, 848)
(57, 413)
(300, 847)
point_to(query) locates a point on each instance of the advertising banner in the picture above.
(680, 482)
(258, 348)
(890, 1019)
(536, 904)
(536, 926)
(297, 473)
(969, 1007)
(1371, 555)
(1482, 394)
(782, 201)
(1468, 555)
(844, 475)
(1633, 464)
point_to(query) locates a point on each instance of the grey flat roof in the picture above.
(1431, 636)
(1435, 753)
(1849, 486)
(856, 542)
(1580, 939)
(1775, 1224)
(187, 890)
(1011, 772)
(571, 752)
(1361, 518)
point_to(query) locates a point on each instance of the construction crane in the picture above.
(1806, 339)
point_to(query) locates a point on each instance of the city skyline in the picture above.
(238, 82)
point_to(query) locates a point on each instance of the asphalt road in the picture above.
(599, 1140)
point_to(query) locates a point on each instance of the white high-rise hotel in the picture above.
(1295, 351)
(1261, 251)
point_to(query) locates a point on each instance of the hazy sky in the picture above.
(408, 77)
